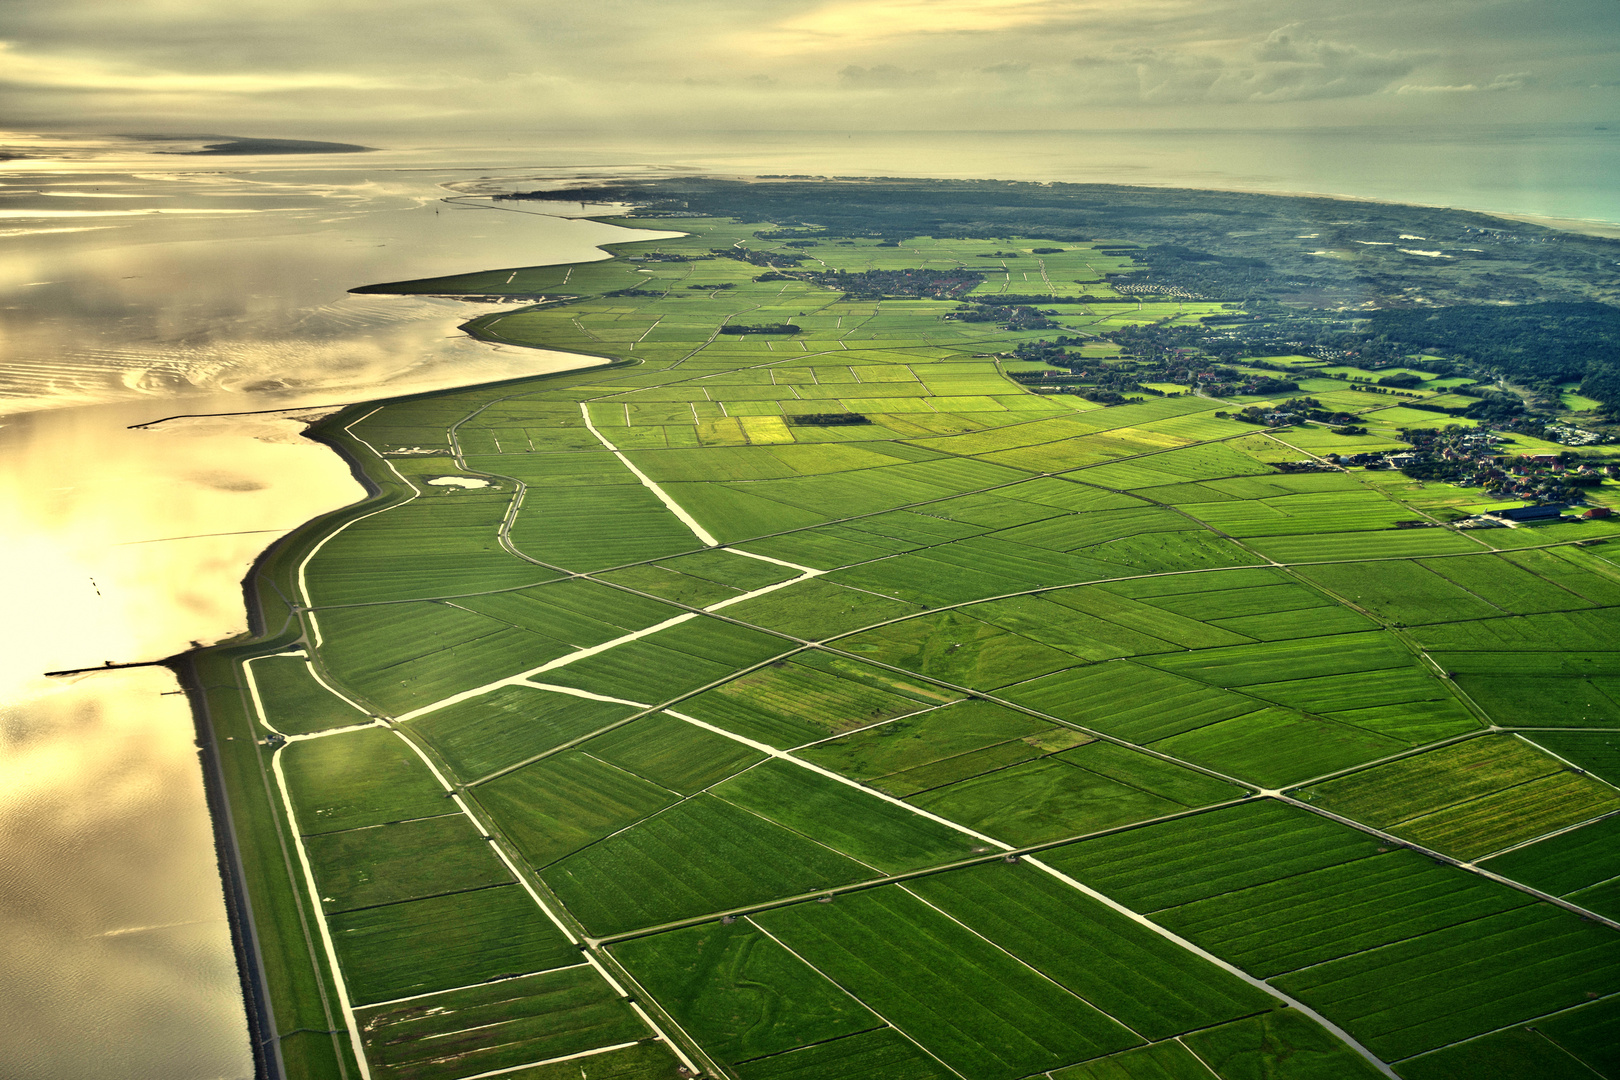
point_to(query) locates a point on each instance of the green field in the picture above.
(964, 1000)
(961, 583)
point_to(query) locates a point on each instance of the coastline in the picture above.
(253, 933)
(266, 587)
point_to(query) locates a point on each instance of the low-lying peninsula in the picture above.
(970, 631)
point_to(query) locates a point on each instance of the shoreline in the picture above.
(247, 940)
(245, 924)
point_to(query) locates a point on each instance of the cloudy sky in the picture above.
(349, 68)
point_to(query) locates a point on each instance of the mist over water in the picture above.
(136, 285)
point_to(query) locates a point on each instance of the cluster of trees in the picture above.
(1019, 317)
(876, 284)
(764, 328)
(760, 258)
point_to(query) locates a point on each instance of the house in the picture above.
(1598, 512)
(1531, 513)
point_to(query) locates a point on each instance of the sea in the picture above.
(169, 320)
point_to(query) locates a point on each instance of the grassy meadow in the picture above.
(819, 702)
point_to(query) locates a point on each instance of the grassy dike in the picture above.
(294, 1024)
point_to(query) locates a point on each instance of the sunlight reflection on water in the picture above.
(115, 957)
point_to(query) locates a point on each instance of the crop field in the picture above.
(1580, 865)
(1131, 973)
(1528, 961)
(497, 1026)
(403, 861)
(879, 834)
(476, 935)
(359, 778)
(792, 703)
(672, 753)
(1064, 731)
(1314, 917)
(740, 994)
(1471, 798)
(499, 729)
(295, 703)
(960, 997)
(562, 803)
(703, 855)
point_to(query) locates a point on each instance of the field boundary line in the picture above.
(470, 986)
(785, 755)
(1450, 860)
(853, 996)
(573, 939)
(339, 985)
(303, 564)
(552, 1061)
(1020, 960)
(663, 496)
(1231, 969)
(1200, 1057)
(1556, 832)
(889, 879)
(1520, 1024)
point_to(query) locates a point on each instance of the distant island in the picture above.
(235, 147)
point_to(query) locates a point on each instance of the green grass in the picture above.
(1565, 863)
(1468, 799)
(512, 724)
(1463, 981)
(367, 777)
(1502, 1055)
(1245, 665)
(815, 610)
(1155, 987)
(883, 1054)
(484, 1028)
(964, 1000)
(915, 741)
(701, 856)
(405, 861)
(1283, 1045)
(1177, 862)
(1309, 918)
(644, 1061)
(878, 833)
(1159, 1061)
(1278, 747)
(434, 546)
(792, 703)
(738, 993)
(1129, 701)
(294, 703)
(672, 753)
(398, 657)
(956, 648)
(475, 936)
(1038, 801)
(562, 803)
(1598, 752)
(592, 528)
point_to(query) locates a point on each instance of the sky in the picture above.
(351, 69)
